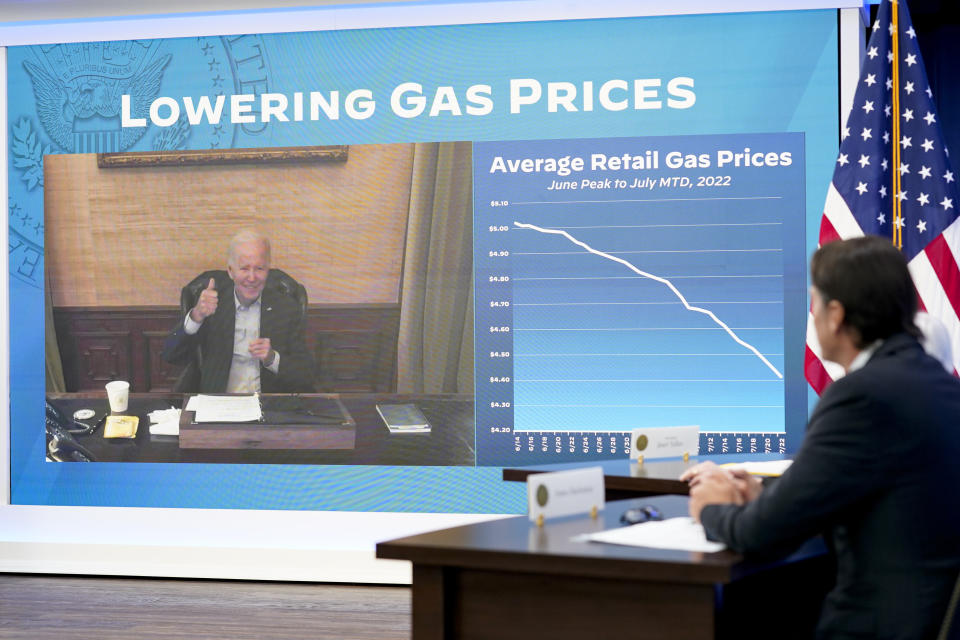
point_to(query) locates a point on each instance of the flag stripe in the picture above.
(814, 371)
(841, 218)
(827, 233)
(945, 270)
(951, 236)
(936, 301)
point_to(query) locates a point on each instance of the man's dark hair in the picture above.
(869, 277)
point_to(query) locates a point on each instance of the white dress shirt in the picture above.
(244, 374)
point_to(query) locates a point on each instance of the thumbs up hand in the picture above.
(206, 304)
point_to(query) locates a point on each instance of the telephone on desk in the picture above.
(61, 445)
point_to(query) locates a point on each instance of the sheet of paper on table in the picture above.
(768, 468)
(244, 408)
(683, 534)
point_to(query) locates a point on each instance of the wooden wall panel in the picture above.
(134, 236)
(159, 375)
(104, 356)
(355, 349)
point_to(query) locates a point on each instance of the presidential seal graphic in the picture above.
(542, 495)
(78, 89)
(74, 98)
(642, 442)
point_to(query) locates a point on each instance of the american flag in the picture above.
(893, 132)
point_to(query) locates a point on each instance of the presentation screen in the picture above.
(490, 245)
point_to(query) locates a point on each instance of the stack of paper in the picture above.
(226, 408)
(769, 468)
(683, 534)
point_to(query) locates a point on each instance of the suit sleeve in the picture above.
(179, 346)
(296, 365)
(836, 467)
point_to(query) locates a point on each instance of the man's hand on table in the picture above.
(711, 484)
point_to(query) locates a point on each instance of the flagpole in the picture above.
(895, 77)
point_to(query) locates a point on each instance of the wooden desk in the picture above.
(624, 479)
(450, 442)
(508, 579)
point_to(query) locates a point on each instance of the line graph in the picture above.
(599, 311)
(664, 281)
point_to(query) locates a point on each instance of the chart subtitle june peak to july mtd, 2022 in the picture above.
(644, 288)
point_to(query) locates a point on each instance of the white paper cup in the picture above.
(118, 392)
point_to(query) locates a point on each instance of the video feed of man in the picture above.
(306, 305)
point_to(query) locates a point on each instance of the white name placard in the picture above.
(664, 442)
(564, 493)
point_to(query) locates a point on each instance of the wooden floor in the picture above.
(40, 607)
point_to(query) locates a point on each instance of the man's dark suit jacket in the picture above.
(878, 474)
(280, 320)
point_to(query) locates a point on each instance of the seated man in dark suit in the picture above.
(251, 339)
(879, 469)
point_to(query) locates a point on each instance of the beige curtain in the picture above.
(435, 347)
(55, 381)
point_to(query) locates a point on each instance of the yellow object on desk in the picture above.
(121, 427)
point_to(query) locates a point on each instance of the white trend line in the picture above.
(664, 281)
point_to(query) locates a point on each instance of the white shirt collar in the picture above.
(239, 305)
(864, 356)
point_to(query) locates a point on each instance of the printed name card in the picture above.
(664, 442)
(564, 493)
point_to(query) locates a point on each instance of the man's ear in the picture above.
(836, 314)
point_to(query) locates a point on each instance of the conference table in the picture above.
(511, 579)
(624, 478)
(450, 441)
